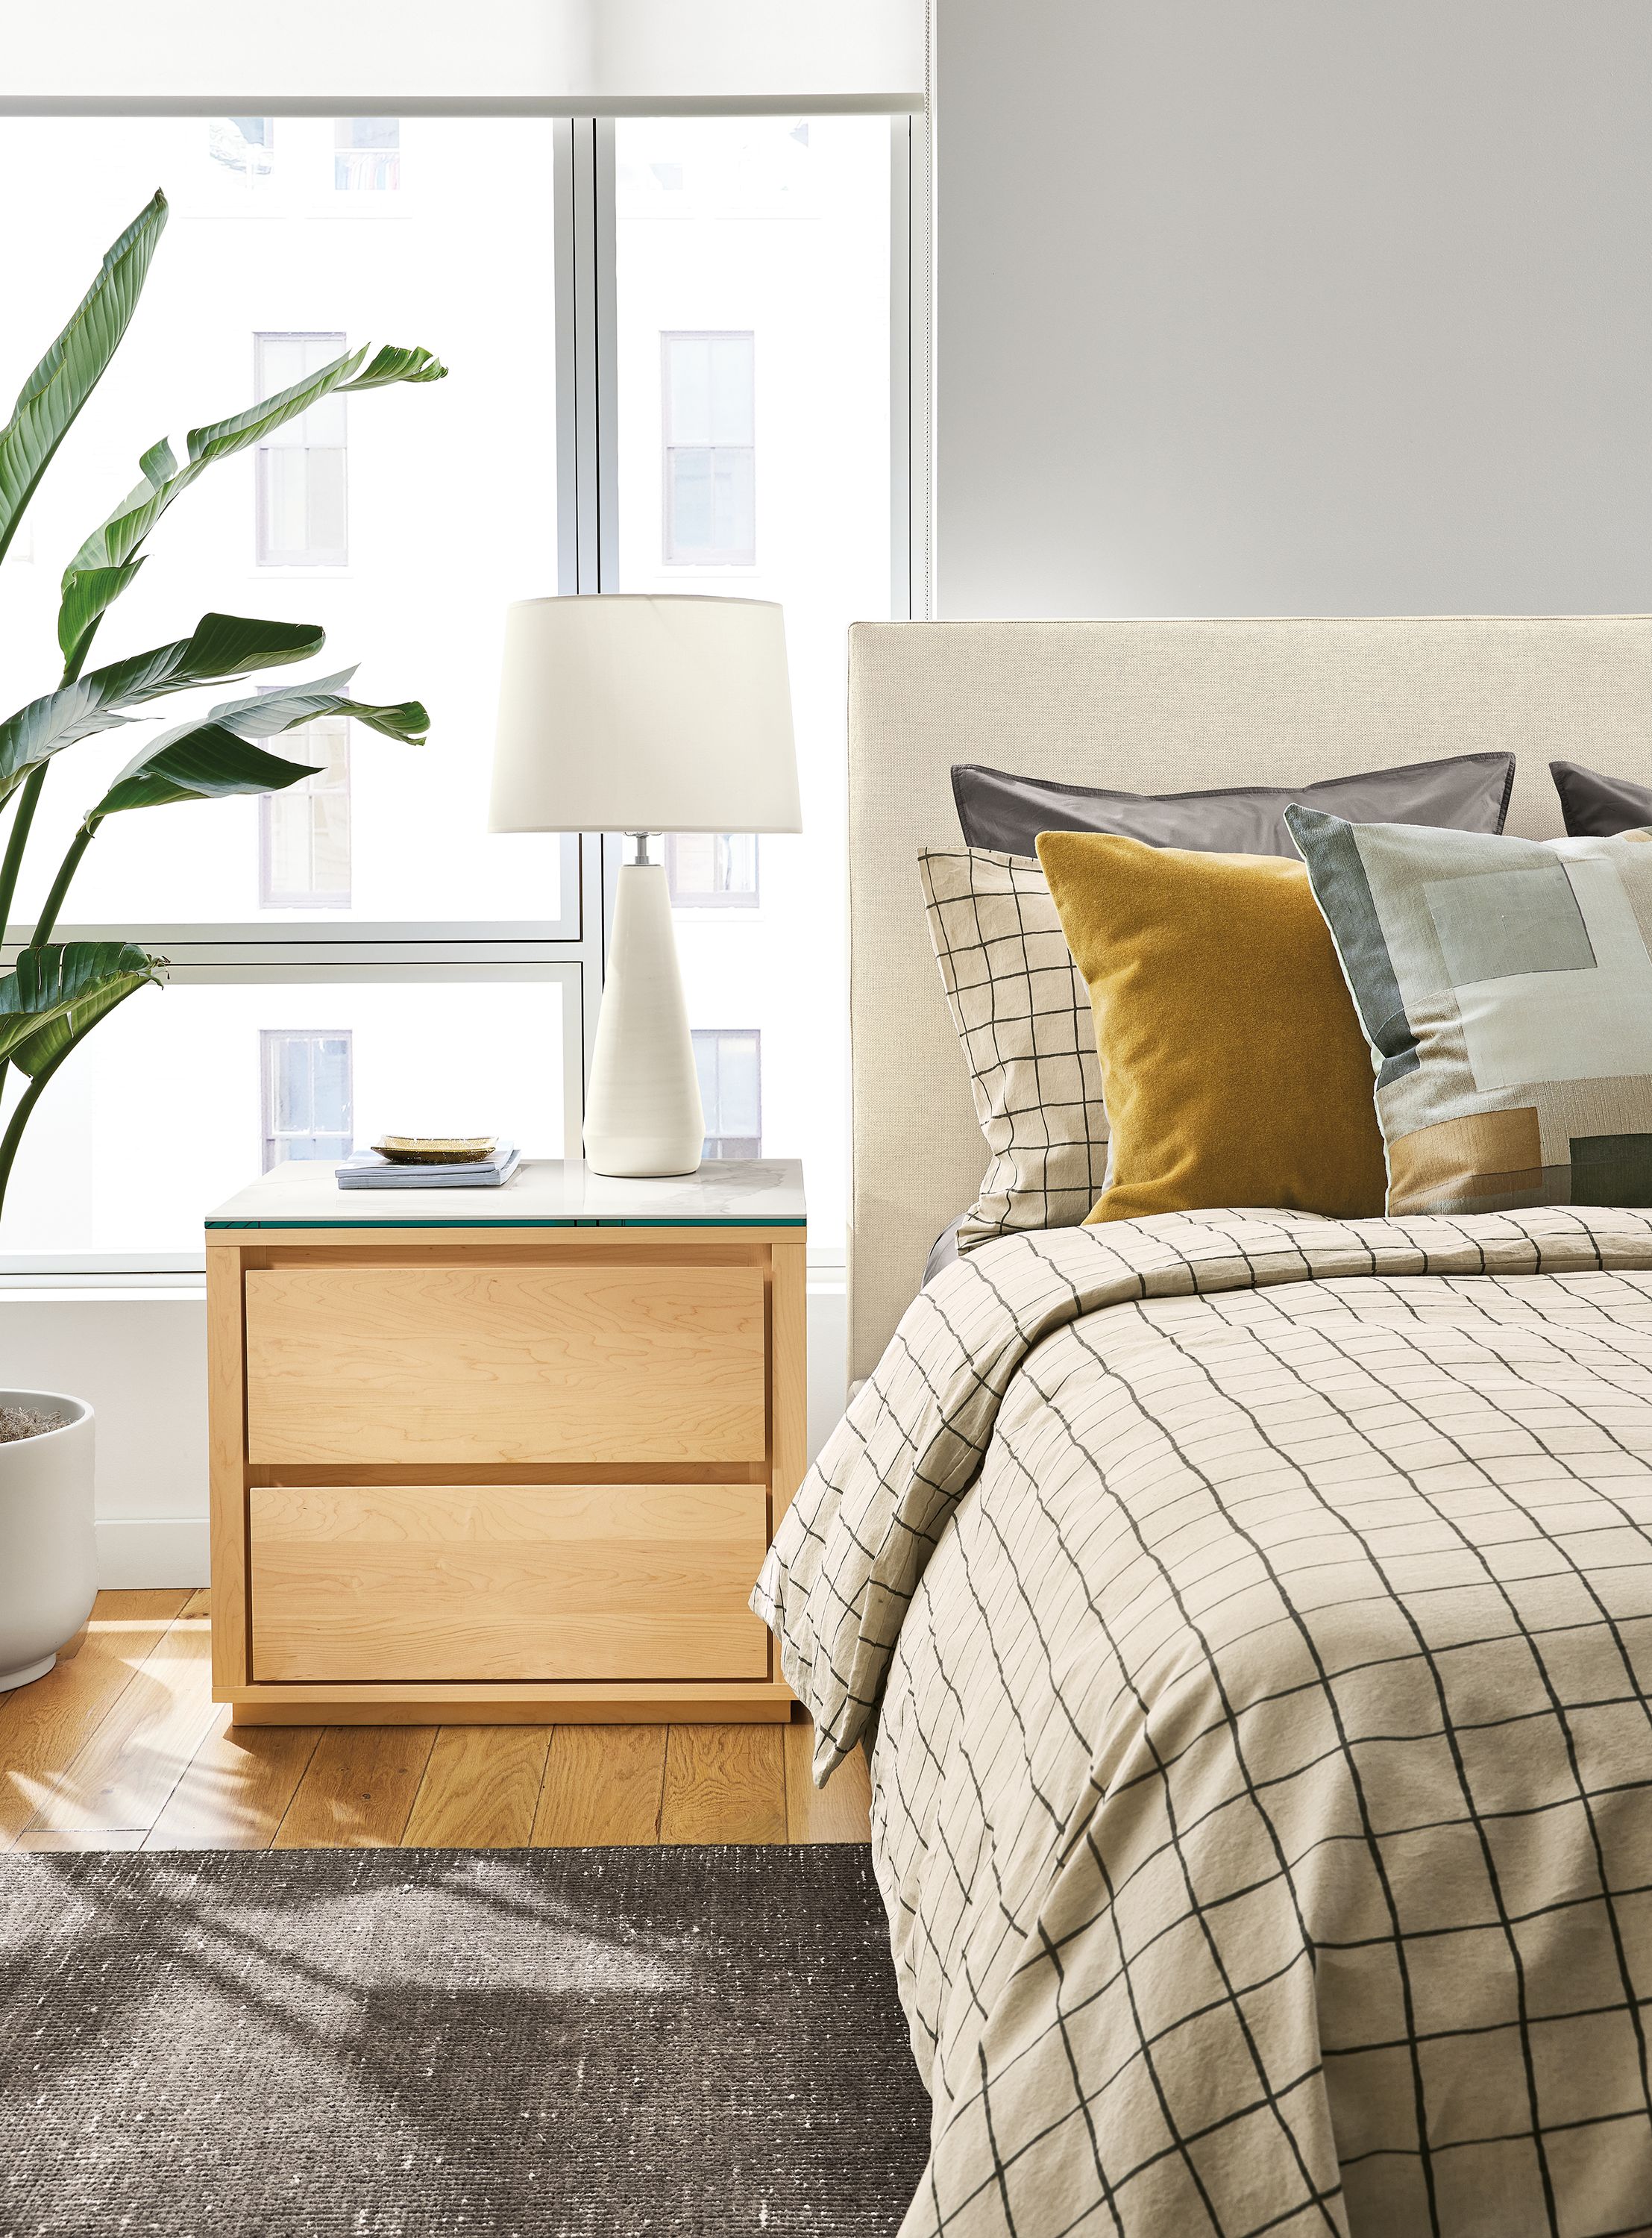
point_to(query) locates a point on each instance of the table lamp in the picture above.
(641, 715)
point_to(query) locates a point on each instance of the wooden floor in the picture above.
(121, 1747)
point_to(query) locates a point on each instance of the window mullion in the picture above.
(588, 452)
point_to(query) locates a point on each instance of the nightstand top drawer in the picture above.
(489, 1364)
(543, 1193)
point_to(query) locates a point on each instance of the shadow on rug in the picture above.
(397, 2043)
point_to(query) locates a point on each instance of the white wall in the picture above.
(1293, 306)
(139, 1357)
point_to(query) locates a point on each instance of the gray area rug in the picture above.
(483, 2045)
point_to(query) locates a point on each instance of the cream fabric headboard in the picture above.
(1152, 706)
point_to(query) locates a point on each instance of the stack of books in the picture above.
(370, 1170)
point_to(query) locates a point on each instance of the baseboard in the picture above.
(152, 1550)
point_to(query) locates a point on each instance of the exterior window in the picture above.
(710, 469)
(306, 1089)
(304, 834)
(730, 1064)
(712, 869)
(245, 145)
(301, 467)
(366, 155)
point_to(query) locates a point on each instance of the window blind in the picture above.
(545, 56)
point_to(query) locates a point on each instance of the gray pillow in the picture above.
(1468, 793)
(1597, 807)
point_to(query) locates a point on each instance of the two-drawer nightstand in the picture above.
(502, 1455)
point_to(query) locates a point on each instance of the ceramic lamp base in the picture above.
(642, 1115)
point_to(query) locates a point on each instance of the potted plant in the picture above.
(58, 992)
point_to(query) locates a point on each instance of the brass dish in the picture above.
(436, 1150)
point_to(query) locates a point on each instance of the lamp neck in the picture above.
(642, 854)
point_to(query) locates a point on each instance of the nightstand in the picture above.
(502, 1455)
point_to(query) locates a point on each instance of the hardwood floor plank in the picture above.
(237, 1787)
(121, 1747)
(603, 1785)
(725, 1784)
(481, 1789)
(42, 1727)
(841, 1812)
(41, 1838)
(358, 1790)
(135, 1755)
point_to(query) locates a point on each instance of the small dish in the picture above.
(436, 1150)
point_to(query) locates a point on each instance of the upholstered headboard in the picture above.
(1153, 707)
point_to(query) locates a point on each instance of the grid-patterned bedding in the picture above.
(1263, 1785)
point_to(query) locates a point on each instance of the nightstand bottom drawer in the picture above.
(475, 1582)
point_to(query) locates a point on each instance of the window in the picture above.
(304, 834)
(435, 553)
(306, 1096)
(712, 869)
(366, 155)
(710, 470)
(372, 902)
(245, 145)
(770, 238)
(730, 1064)
(301, 468)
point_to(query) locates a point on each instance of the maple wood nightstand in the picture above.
(502, 1455)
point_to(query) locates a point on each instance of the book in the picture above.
(366, 1170)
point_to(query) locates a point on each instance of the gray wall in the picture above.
(1293, 306)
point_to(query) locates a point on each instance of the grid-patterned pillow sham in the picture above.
(1022, 1014)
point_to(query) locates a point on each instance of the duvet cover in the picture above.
(1251, 1618)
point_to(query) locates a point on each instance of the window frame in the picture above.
(745, 555)
(272, 807)
(270, 1038)
(334, 561)
(569, 948)
(751, 1145)
(695, 898)
(355, 148)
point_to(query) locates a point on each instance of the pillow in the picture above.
(1470, 793)
(1234, 1068)
(1597, 807)
(1505, 987)
(1023, 1018)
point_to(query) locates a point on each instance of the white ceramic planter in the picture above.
(48, 1550)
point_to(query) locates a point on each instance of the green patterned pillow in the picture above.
(1505, 989)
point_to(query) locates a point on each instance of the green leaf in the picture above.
(112, 545)
(87, 595)
(392, 365)
(222, 645)
(50, 398)
(209, 760)
(57, 992)
(209, 764)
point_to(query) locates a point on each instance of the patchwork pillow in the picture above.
(1595, 807)
(1022, 1015)
(1234, 1068)
(1505, 990)
(1470, 792)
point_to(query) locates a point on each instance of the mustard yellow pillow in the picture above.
(1233, 1066)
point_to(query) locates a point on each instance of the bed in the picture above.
(1248, 1616)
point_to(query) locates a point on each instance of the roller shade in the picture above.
(548, 57)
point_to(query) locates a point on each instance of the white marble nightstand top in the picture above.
(542, 1193)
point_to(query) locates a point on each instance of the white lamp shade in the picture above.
(621, 713)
